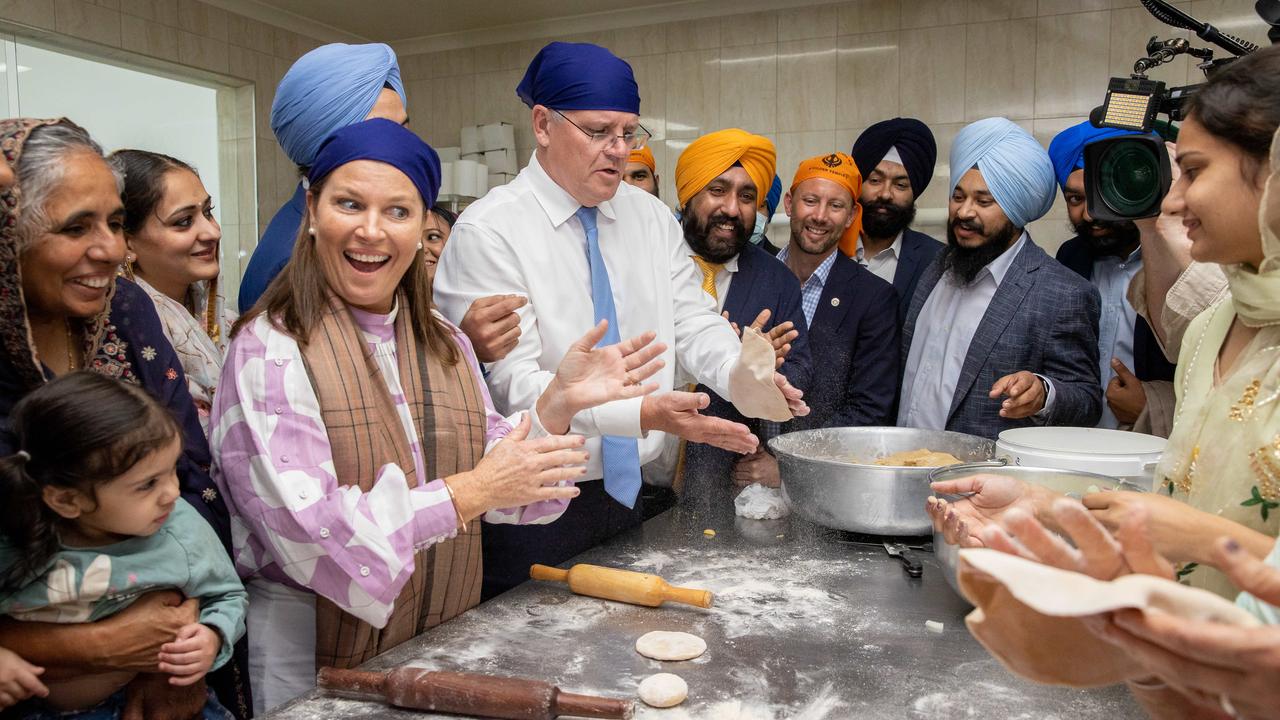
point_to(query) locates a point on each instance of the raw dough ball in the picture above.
(663, 690)
(757, 502)
(665, 645)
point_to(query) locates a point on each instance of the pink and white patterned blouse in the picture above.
(291, 521)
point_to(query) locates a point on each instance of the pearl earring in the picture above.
(312, 231)
(419, 245)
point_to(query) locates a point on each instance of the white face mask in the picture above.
(762, 224)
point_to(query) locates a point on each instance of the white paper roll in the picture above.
(449, 154)
(470, 139)
(497, 136)
(446, 179)
(464, 177)
(481, 180)
(501, 161)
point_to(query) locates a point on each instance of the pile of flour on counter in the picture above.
(757, 502)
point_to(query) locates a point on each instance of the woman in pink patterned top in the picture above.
(355, 440)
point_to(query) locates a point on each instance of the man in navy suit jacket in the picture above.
(852, 314)
(896, 158)
(745, 280)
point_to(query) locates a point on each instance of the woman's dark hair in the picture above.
(1240, 104)
(448, 216)
(78, 431)
(143, 183)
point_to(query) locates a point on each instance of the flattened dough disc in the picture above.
(663, 690)
(668, 645)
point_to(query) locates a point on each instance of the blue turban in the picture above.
(1016, 169)
(330, 87)
(915, 144)
(579, 76)
(386, 142)
(775, 194)
(1067, 148)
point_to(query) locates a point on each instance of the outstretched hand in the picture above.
(589, 376)
(677, 413)
(780, 337)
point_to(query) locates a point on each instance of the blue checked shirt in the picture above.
(811, 290)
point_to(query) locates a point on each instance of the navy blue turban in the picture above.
(579, 76)
(329, 87)
(915, 145)
(384, 141)
(1066, 150)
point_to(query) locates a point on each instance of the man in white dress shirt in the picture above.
(582, 246)
(999, 335)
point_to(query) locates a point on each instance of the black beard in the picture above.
(897, 219)
(697, 234)
(1122, 238)
(965, 263)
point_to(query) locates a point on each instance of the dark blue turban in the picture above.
(915, 145)
(1066, 150)
(579, 76)
(383, 141)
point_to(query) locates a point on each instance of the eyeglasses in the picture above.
(634, 140)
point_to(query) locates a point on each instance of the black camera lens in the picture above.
(1130, 178)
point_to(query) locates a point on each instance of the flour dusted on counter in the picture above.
(757, 502)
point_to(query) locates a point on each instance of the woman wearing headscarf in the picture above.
(173, 240)
(1220, 473)
(355, 439)
(330, 87)
(63, 309)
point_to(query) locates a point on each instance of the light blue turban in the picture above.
(1016, 169)
(331, 87)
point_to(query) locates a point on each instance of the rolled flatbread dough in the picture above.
(751, 384)
(663, 690)
(667, 645)
(1029, 616)
(757, 502)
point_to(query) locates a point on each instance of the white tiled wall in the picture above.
(813, 78)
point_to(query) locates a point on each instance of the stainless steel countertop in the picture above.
(805, 627)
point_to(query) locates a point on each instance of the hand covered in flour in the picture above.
(589, 376)
(758, 467)
(519, 471)
(781, 336)
(793, 395)
(992, 496)
(677, 413)
(1095, 553)
(1221, 667)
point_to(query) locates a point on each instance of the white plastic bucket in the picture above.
(1116, 453)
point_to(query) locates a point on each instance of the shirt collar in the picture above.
(821, 272)
(1000, 266)
(895, 248)
(556, 202)
(377, 327)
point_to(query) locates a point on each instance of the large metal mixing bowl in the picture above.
(1073, 483)
(828, 475)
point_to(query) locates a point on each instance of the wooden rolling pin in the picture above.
(486, 696)
(621, 585)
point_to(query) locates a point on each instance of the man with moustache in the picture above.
(720, 183)
(642, 171)
(852, 314)
(999, 335)
(896, 158)
(1108, 255)
(584, 247)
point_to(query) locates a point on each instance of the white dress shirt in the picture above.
(522, 238)
(944, 329)
(1112, 275)
(883, 264)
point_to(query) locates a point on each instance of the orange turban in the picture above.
(710, 155)
(644, 156)
(841, 170)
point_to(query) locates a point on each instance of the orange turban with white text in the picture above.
(840, 169)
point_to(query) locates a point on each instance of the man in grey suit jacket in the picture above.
(998, 334)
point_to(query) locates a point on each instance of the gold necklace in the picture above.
(71, 345)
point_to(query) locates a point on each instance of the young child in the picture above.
(93, 520)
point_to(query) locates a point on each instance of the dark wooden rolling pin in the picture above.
(486, 696)
(621, 585)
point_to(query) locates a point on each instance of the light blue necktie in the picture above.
(620, 456)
